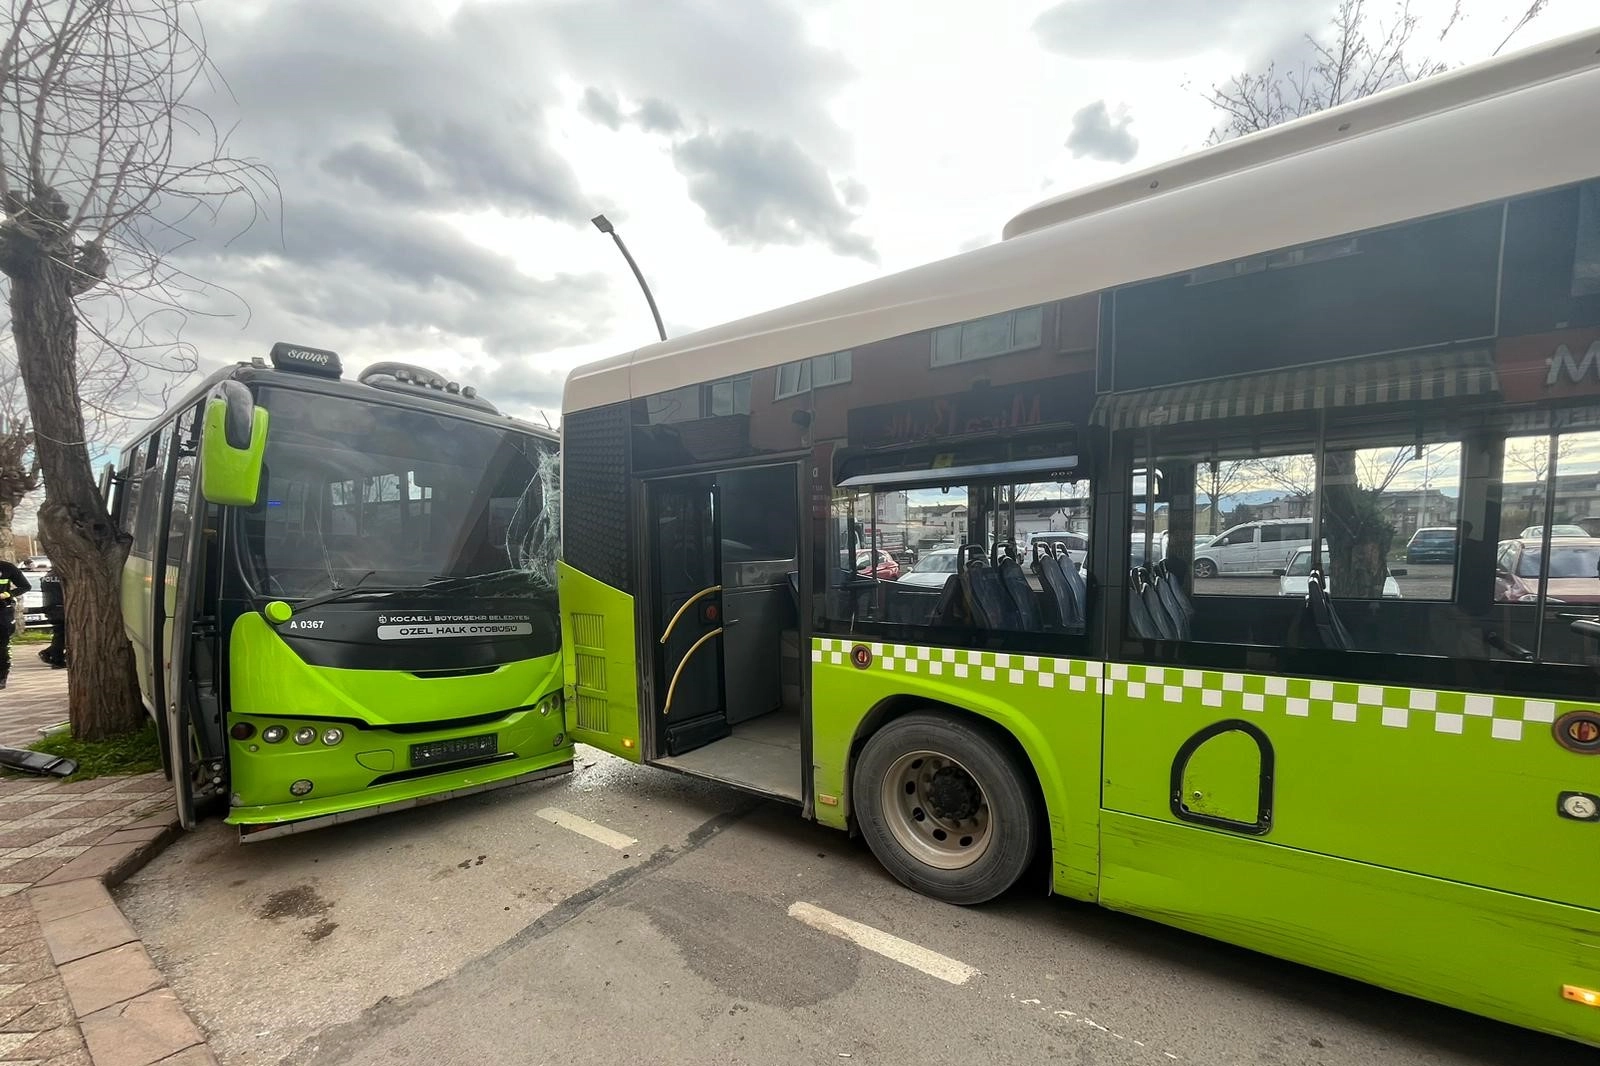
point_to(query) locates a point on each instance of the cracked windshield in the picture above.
(368, 497)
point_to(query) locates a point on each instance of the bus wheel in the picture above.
(945, 808)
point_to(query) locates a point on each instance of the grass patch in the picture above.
(131, 753)
(32, 636)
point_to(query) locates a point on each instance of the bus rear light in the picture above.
(274, 734)
(304, 735)
(332, 737)
(301, 787)
(242, 731)
(1587, 996)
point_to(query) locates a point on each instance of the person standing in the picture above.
(13, 583)
(55, 612)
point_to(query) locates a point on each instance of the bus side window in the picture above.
(131, 479)
(152, 502)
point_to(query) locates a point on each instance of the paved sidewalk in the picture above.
(76, 986)
(35, 699)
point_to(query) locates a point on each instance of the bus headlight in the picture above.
(304, 735)
(301, 787)
(551, 704)
(274, 734)
(332, 737)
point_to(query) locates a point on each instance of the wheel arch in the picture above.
(1010, 728)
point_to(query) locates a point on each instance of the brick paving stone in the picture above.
(50, 902)
(71, 1058)
(87, 933)
(110, 977)
(71, 788)
(30, 870)
(141, 1031)
(95, 808)
(21, 838)
(56, 1041)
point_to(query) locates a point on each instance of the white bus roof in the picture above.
(1407, 153)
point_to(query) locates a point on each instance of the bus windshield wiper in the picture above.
(338, 592)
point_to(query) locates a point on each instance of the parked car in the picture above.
(886, 570)
(1537, 532)
(1253, 548)
(1432, 544)
(1293, 579)
(933, 569)
(1077, 543)
(1574, 570)
(33, 602)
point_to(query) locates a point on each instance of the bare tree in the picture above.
(102, 165)
(1356, 55)
(1220, 479)
(19, 465)
(1531, 455)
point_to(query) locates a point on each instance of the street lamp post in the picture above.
(603, 224)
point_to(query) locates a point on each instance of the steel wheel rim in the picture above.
(936, 810)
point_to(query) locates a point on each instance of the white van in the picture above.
(1253, 548)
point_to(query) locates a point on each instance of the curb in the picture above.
(120, 1000)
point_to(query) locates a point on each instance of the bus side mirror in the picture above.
(232, 445)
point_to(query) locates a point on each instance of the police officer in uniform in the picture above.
(55, 611)
(13, 583)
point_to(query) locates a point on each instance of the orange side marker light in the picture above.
(1587, 996)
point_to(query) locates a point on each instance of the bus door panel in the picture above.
(176, 586)
(759, 533)
(687, 625)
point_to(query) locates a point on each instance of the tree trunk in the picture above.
(103, 695)
(1358, 535)
(8, 545)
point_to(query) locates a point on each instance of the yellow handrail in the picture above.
(673, 686)
(691, 601)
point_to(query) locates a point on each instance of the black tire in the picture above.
(1205, 568)
(1006, 788)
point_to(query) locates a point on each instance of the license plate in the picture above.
(440, 752)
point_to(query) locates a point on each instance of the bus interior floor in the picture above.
(763, 754)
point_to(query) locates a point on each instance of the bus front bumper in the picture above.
(264, 823)
(373, 771)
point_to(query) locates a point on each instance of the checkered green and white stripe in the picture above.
(1394, 707)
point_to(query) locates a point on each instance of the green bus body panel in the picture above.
(231, 476)
(1489, 952)
(1453, 785)
(600, 667)
(270, 684)
(1056, 720)
(1221, 779)
(1410, 837)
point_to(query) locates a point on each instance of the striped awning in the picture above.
(1418, 378)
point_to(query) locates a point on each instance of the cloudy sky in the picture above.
(439, 160)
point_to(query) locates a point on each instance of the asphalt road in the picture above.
(629, 915)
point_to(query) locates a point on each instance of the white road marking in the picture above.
(886, 944)
(582, 826)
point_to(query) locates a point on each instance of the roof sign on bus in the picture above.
(303, 360)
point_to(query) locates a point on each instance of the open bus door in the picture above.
(190, 725)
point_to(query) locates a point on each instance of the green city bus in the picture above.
(1317, 339)
(341, 593)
